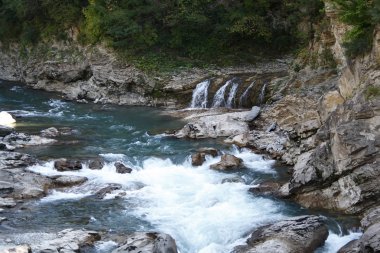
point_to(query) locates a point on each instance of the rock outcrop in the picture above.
(300, 234)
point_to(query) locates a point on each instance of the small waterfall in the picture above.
(219, 100)
(262, 94)
(243, 97)
(200, 94)
(231, 96)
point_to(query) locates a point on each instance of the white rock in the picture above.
(6, 119)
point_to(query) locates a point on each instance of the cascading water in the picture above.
(243, 97)
(200, 94)
(231, 95)
(219, 98)
(262, 94)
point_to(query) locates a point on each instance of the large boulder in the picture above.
(65, 181)
(302, 234)
(214, 125)
(228, 162)
(147, 243)
(67, 165)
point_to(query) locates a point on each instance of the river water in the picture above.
(163, 193)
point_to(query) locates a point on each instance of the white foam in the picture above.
(105, 246)
(189, 203)
(121, 127)
(112, 156)
(60, 195)
(334, 242)
(255, 162)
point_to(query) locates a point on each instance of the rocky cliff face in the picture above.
(77, 72)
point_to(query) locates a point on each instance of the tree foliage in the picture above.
(363, 16)
(193, 29)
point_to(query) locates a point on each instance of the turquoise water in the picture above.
(163, 193)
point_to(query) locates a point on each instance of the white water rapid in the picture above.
(219, 98)
(262, 94)
(231, 96)
(200, 94)
(189, 203)
(244, 96)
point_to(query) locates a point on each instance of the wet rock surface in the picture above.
(67, 165)
(65, 181)
(106, 190)
(300, 234)
(198, 159)
(227, 162)
(121, 168)
(96, 164)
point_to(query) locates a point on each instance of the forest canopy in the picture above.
(210, 30)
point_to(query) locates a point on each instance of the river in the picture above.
(163, 193)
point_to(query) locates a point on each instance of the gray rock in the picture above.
(253, 114)
(50, 132)
(148, 243)
(11, 160)
(65, 181)
(96, 164)
(68, 240)
(302, 234)
(233, 180)
(214, 124)
(67, 165)
(108, 189)
(198, 159)
(266, 188)
(7, 202)
(121, 168)
(228, 162)
(20, 140)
